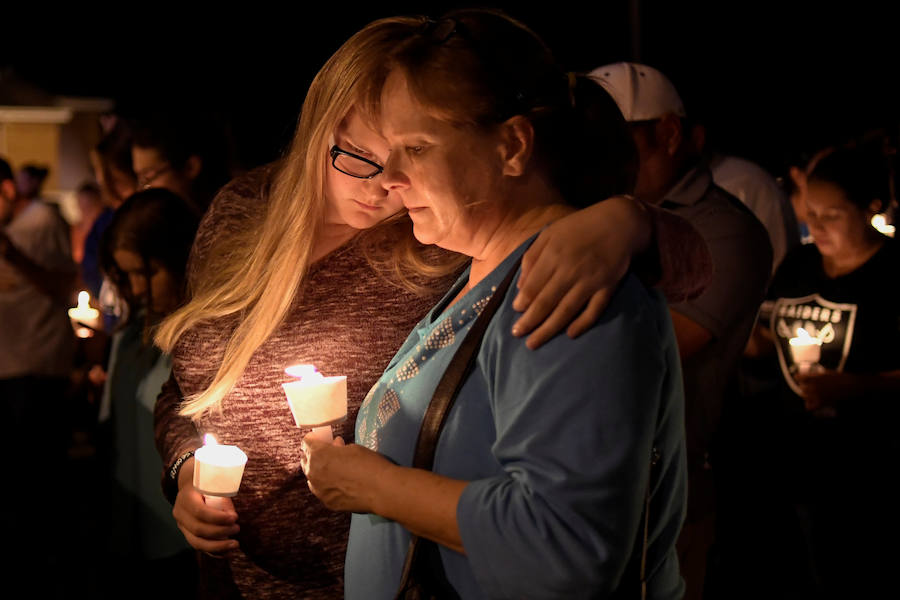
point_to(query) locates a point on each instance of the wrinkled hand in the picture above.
(205, 528)
(573, 268)
(342, 476)
(823, 390)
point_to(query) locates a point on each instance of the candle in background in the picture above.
(85, 320)
(880, 223)
(806, 350)
(218, 469)
(316, 401)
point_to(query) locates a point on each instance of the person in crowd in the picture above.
(90, 206)
(37, 346)
(30, 181)
(713, 328)
(184, 153)
(113, 171)
(311, 260)
(144, 252)
(111, 160)
(832, 305)
(756, 188)
(542, 469)
(797, 175)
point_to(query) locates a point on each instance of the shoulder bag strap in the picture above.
(460, 366)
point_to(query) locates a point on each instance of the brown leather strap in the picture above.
(460, 366)
(654, 458)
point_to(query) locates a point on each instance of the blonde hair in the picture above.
(257, 277)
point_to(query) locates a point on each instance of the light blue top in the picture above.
(142, 521)
(556, 443)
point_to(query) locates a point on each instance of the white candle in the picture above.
(316, 401)
(806, 350)
(218, 469)
(84, 318)
(880, 223)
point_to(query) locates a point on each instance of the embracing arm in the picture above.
(573, 268)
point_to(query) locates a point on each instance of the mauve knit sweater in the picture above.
(348, 321)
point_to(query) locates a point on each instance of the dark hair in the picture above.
(861, 171)
(178, 136)
(88, 187)
(114, 152)
(156, 224)
(479, 67)
(5, 170)
(36, 172)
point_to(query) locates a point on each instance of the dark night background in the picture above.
(768, 78)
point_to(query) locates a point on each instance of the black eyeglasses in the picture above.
(353, 164)
(146, 177)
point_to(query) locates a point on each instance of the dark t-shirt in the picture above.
(855, 316)
(843, 455)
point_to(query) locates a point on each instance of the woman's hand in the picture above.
(573, 268)
(205, 528)
(343, 477)
(823, 390)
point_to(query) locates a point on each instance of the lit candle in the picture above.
(85, 320)
(805, 350)
(316, 401)
(880, 223)
(218, 469)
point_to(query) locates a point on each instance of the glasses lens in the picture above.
(351, 165)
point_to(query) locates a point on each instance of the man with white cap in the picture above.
(713, 328)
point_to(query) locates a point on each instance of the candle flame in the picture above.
(303, 372)
(210, 440)
(84, 299)
(804, 339)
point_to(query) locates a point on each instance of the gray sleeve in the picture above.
(742, 258)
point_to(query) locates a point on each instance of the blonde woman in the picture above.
(312, 261)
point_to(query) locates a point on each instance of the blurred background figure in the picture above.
(90, 206)
(144, 252)
(30, 181)
(182, 152)
(713, 328)
(111, 160)
(113, 170)
(755, 187)
(797, 175)
(818, 485)
(36, 352)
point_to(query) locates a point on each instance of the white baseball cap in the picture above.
(642, 92)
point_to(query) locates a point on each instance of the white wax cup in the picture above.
(805, 350)
(317, 401)
(218, 469)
